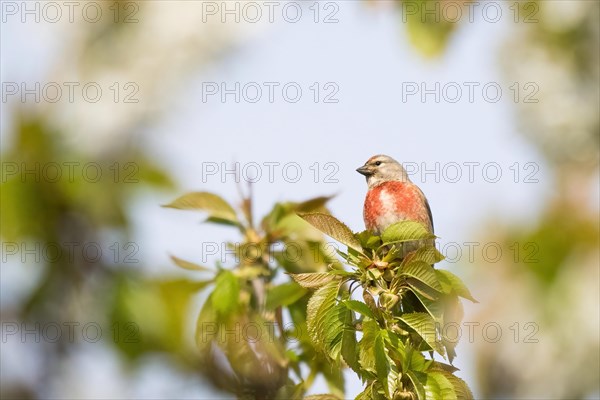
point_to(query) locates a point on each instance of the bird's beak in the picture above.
(364, 170)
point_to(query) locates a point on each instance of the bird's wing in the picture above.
(428, 210)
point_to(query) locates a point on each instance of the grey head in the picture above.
(382, 168)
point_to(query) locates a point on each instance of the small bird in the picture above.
(392, 197)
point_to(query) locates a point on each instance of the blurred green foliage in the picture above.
(246, 344)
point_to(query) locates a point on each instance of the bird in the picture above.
(392, 197)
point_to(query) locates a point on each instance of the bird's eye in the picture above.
(378, 163)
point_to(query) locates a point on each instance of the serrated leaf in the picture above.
(422, 289)
(382, 365)
(313, 280)
(349, 350)
(419, 380)
(438, 387)
(334, 324)
(427, 254)
(368, 240)
(394, 345)
(453, 284)
(365, 394)
(425, 327)
(412, 360)
(423, 272)
(314, 204)
(366, 346)
(404, 231)
(435, 308)
(284, 295)
(436, 365)
(360, 308)
(211, 203)
(333, 228)
(341, 272)
(225, 297)
(462, 390)
(189, 265)
(320, 303)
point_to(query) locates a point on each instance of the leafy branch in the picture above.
(249, 350)
(406, 303)
(245, 344)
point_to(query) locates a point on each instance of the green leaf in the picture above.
(189, 265)
(313, 280)
(360, 308)
(453, 284)
(435, 308)
(416, 361)
(366, 394)
(206, 326)
(438, 387)
(422, 289)
(221, 221)
(460, 387)
(436, 365)
(349, 350)
(334, 322)
(394, 345)
(368, 240)
(427, 254)
(334, 228)
(383, 365)
(418, 380)
(404, 231)
(367, 344)
(290, 390)
(214, 205)
(311, 205)
(423, 272)
(320, 303)
(425, 327)
(284, 295)
(321, 397)
(225, 297)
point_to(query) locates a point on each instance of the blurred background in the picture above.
(112, 108)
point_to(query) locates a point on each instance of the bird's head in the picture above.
(380, 168)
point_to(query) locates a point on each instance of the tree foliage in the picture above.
(384, 338)
(407, 304)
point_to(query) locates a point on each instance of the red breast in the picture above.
(394, 201)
